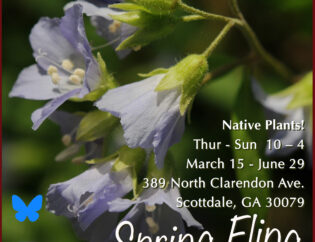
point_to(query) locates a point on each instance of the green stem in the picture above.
(254, 42)
(218, 39)
(247, 31)
(206, 15)
(190, 18)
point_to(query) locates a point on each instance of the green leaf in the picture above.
(247, 108)
(154, 72)
(94, 125)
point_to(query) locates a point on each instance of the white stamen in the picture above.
(75, 79)
(78, 159)
(55, 78)
(67, 65)
(153, 226)
(114, 26)
(79, 72)
(137, 48)
(150, 209)
(66, 140)
(51, 69)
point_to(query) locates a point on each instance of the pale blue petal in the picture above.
(72, 28)
(91, 9)
(67, 121)
(39, 115)
(169, 133)
(156, 197)
(116, 99)
(115, 38)
(274, 103)
(114, 186)
(50, 46)
(86, 196)
(150, 119)
(31, 84)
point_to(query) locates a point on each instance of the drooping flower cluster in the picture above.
(151, 112)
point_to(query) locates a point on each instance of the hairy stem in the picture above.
(247, 31)
(228, 67)
(218, 39)
(207, 15)
(254, 42)
(190, 18)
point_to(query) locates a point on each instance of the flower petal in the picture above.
(39, 115)
(150, 119)
(271, 102)
(169, 132)
(50, 46)
(86, 196)
(156, 197)
(116, 99)
(114, 36)
(66, 121)
(72, 28)
(92, 8)
(31, 84)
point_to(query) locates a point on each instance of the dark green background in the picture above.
(285, 29)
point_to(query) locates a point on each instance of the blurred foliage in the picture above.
(283, 26)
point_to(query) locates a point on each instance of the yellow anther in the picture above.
(150, 209)
(66, 140)
(67, 65)
(78, 159)
(55, 78)
(79, 72)
(51, 70)
(114, 26)
(75, 79)
(137, 48)
(153, 226)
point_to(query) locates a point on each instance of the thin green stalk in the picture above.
(218, 39)
(190, 18)
(254, 42)
(207, 15)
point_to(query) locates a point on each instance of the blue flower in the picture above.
(154, 213)
(69, 124)
(85, 197)
(150, 119)
(65, 65)
(113, 31)
(278, 107)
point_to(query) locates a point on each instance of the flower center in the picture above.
(153, 226)
(64, 75)
(76, 75)
(114, 26)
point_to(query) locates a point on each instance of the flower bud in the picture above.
(158, 6)
(149, 26)
(188, 74)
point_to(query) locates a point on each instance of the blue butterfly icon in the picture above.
(29, 211)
